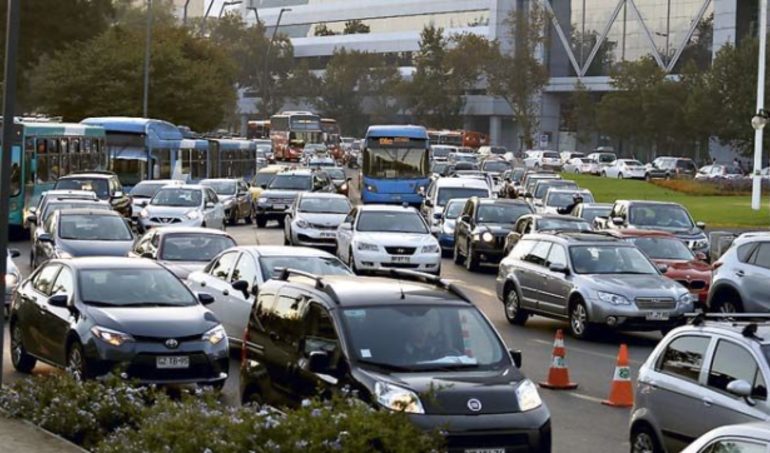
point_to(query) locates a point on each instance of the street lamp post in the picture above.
(266, 75)
(760, 119)
(148, 42)
(184, 15)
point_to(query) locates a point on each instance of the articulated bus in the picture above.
(232, 158)
(258, 129)
(291, 131)
(41, 152)
(468, 139)
(332, 137)
(396, 167)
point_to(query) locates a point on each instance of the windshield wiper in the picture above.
(450, 367)
(386, 366)
(96, 303)
(149, 304)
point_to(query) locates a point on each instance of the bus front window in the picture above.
(396, 162)
(300, 139)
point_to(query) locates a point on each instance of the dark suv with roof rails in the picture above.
(105, 184)
(416, 344)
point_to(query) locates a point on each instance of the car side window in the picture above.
(746, 251)
(522, 249)
(246, 270)
(761, 257)
(221, 268)
(284, 318)
(49, 224)
(539, 253)
(557, 256)
(63, 284)
(141, 245)
(44, 280)
(262, 309)
(683, 357)
(728, 445)
(319, 332)
(732, 362)
(351, 217)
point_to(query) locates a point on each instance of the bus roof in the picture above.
(408, 131)
(61, 129)
(157, 129)
(234, 144)
(194, 143)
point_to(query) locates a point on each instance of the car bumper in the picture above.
(488, 252)
(635, 175)
(446, 241)
(526, 431)
(271, 211)
(630, 317)
(313, 238)
(147, 224)
(369, 261)
(413, 199)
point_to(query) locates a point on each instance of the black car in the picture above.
(283, 189)
(482, 227)
(105, 184)
(671, 167)
(95, 315)
(82, 232)
(417, 345)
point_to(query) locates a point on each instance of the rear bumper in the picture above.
(413, 199)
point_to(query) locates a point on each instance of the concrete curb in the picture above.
(71, 446)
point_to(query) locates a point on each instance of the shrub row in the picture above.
(740, 186)
(112, 417)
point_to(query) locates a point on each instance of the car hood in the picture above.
(158, 322)
(682, 233)
(280, 193)
(183, 269)
(633, 285)
(396, 239)
(95, 248)
(324, 219)
(677, 269)
(170, 211)
(452, 390)
(498, 229)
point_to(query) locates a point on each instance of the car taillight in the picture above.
(243, 345)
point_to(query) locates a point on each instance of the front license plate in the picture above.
(279, 207)
(485, 450)
(657, 316)
(399, 259)
(328, 235)
(170, 362)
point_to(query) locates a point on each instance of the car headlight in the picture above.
(112, 337)
(397, 398)
(11, 280)
(448, 228)
(527, 396)
(487, 237)
(371, 188)
(261, 200)
(686, 299)
(144, 214)
(700, 244)
(215, 335)
(344, 186)
(367, 247)
(192, 215)
(433, 248)
(229, 202)
(302, 223)
(614, 299)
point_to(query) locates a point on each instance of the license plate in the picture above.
(399, 259)
(169, 362)
(328, 235)
(657, 316)
(279, 207)
(485, 450)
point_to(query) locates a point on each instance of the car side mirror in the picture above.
(346, 226)
(663, 268)
(255, 290)
(617, 220)
(210, 205)
(117, 194)
(428, 202)
(205, 298)
(516, 356)
(59, 300)
(32, 218)
(147, 255)
(465, 218)
(348, 179)
(263, 186)
(700, 256)
(45, 237)
(527, 195)
(318, 362)
(15, 253)
(741, 388)
(143, 203)
(700, 225)
(559, 268)
(242, 286)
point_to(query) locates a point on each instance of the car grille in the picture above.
(650, 303)
(400, 265)
(165, 220)
(400, 250)
(318, 226)
(281, 200)
(306, 238)
(143, 367)
(509, 441)
(694, 285)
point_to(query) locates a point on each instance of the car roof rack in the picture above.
(406, 274)
(283, 273)
(749, 321)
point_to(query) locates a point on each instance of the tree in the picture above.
(323, 30)
(192, 81)
(355, 26)
(518, 76)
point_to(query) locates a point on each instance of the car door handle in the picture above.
(203, 283)
(225, 292)
(707, 401)
(740, 274)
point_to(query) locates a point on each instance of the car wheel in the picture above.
(20, 360)
(668, 176)
(579, 325)
(76, 363)
(513, 311)
(31, 260)
(471, 262)
(604, 174)
(728, 306)
(458, 258)
(281, 221)
(643, 440)
(351, 261)
(261, 222)
(233, 219)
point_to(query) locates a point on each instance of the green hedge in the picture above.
(114, 417)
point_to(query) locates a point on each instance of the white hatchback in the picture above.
(625, 168)
(385, 237)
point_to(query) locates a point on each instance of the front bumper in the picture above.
(271, 211)
(154, 222)
(312, 237)
(369, 261)
(631, 317)
(446, 241)
(490, 252)
(641, 174)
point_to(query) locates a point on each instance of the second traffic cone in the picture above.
(558, 373)
(621, 392)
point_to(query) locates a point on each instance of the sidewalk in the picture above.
(19, 436)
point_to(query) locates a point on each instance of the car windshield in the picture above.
(551, 156)
(441, 151)
(496, 166)
(501, 212)
(290, 182)
(606, 158)
(263, 179)
(498, 150)
(99, 186)
(85, 227)
(447, 193)
(430, 338)
(592, 213)
(518, 174)
(221, 187)
(453, 209)
(542, 189)
(663, 248)
(193, 247)
(610, 259)
(564, 199)
(553, 224)
(133, 287)
(587, 161)
(633, 163)
(177, 198)
(335, 173)
(391, 222)
(439, 167)
(317, 265)
(146, 189)
(50, 208)
(458, 157)
(325, 205)
(660, 215)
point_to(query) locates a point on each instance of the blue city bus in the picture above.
(42, 151)
(193, 162)
(396, 165)
(232, 158)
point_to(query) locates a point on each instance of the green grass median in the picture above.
(716, 211)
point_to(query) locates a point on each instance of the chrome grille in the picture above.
(165, 220)
(400, 250)
(318, 226)
(286, 201)
(655, 303)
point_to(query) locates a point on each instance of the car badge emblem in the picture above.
(474, 405)
(172, 343)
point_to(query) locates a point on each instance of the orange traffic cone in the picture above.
(621, 392)
(558, 374)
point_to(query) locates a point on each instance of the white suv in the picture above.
(444, 189)
(543, 160)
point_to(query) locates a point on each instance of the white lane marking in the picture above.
(483, 291)
(581, 396)
(583, 351)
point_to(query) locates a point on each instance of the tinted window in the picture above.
(683, 357)
(395, 222)
(745, 251)
(663, 248)
(453, 209)
(319, 332)
(99, 186)
(45, 279)
(564, 199)
(284, 319)
(522, 249)
(246, 270)
(501, 213)
(732, 362)
(318, 265)
(221, 268)
(495, 166)
(735, 446)
(762, 255)
(610, 259)
(50, 208)
(133, 287)
(263, 307)
(220, 187)
(542, 188)
(555, 224)
(324, 205)
(194, 247)
(592, 213)
(661, 215)
(146, 189)
(94, 228)
(291, 182)
(539, 254)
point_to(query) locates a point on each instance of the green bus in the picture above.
(43, 151)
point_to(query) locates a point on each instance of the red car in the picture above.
(688, 268)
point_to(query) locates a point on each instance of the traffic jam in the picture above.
(315, 261)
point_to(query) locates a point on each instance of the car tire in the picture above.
(77, 366)
(579, 325)
(471, 262)
(728, 306)
(352, 261)
(644, 440)
(456, 256)
(261, 222)
(513, 311)
(281, 221)
(604, 174)
(21, 361)
(233, 219)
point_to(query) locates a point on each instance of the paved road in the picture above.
(580, 422)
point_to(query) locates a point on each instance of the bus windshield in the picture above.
(394, 163)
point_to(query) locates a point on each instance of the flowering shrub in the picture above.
(114, 417)
(740, 186)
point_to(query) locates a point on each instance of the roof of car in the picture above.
(160, 181)
(69, 193)
(732, 329)
(321, 195)
(503, 201)
(94, 175)
(754, 430)
(88, 211)
(219, 179)
(597, 205)
(385, 208)
(297, 171)
(584, 237)
(462, 182)
(186, 186)
(410, 131)
(556, 216)
(630, 232)
(275, 168)
(109, 262)
(166, 230)
(280, 250)
(649, 202)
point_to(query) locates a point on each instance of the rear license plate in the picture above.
(279, 207)
(485, 450)
(328, 235)
(169, 362)
(657, 316)
(399, 259)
